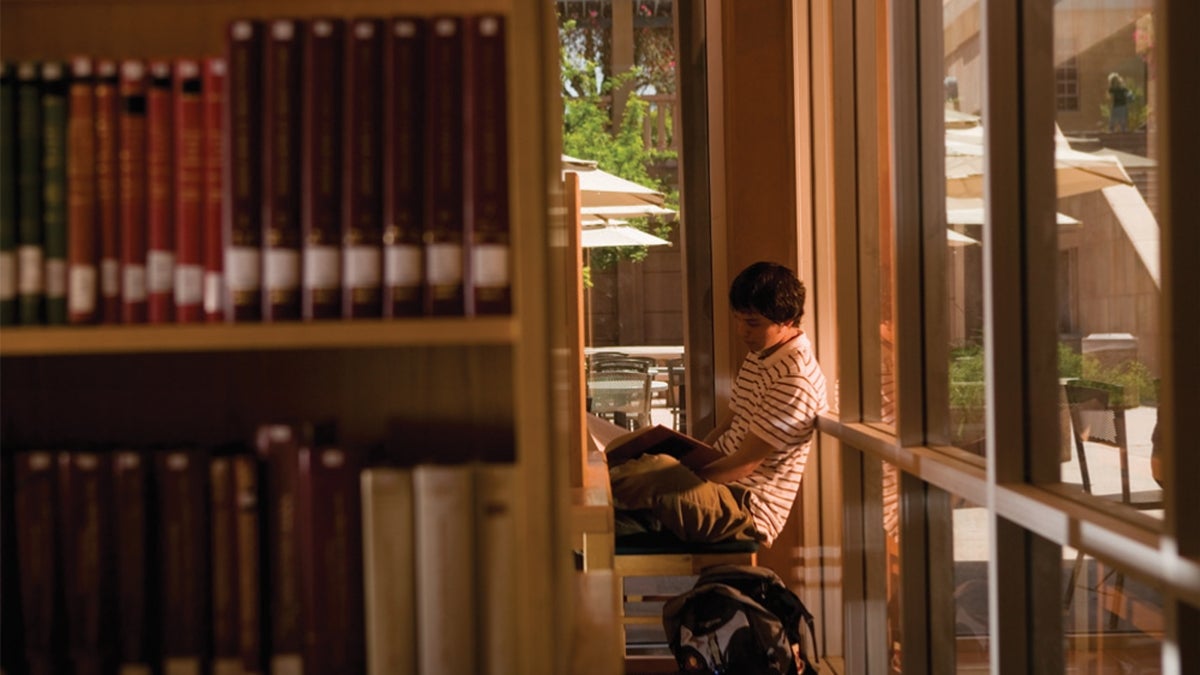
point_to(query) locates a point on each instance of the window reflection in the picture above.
(1112, 623)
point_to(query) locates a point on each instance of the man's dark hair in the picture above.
(769, 289)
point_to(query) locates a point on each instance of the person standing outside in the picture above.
(1119, 98)
(746, 493)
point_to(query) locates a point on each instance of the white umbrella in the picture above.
(599, 188)
(618, 235)
(625, 211)
(973, 214)
(959, 239)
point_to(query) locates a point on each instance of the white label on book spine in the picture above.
(189, 284)
(282, 269)
(243, 268)
(160, 271)
(322, 267)
(81, 296)
(444, 264)
(402, 265)
(489, 265)
(110, 278)
(362, 266)
(8, 275)
(133, 283)
(214, 283)
(56, 278)
(29, 266)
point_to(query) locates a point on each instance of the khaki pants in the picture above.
(657, 493)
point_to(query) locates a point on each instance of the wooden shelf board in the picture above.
(64, 340)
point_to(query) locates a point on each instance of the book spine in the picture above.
(389, 570)
(8, 194)
(182, 480)
(213, 252)
(488, 280)
(445, 550)
(82, 255)
(12, 637)
(362, 219)
(135, 571)
(330, 505)
(279, 448)
(444, 293)
(250, 565)
(31, 252)
(242, 220)
(54, 189)
(404, 166)
(223, 562)
(281, 170)
(495, 519)
(188, 186)
(38, 560)
(107, 195)
(321, 167)
(160, 226)
(131, 190)
(85, 491)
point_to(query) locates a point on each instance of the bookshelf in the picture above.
(206, 384)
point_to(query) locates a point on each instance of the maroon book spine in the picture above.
(324, 45)
(278, 447)
(82, 253)
(107, 195)
(135, 573)
(242, 219)
(160, 226)
(223, 562)
(85, 486)
(182, 491)
(250, 566)
(444, 173)
(188, 118)
(131, 190)
(281, 169)
(330, 525)
(362, 218)
(213, 249)
(35, 512)
(488, 282)
(404, 167)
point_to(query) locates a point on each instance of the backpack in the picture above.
(739, 619)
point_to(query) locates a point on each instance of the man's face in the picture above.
(758, 332)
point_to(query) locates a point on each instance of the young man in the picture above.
(748, 491)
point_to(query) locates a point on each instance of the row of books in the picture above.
(323, 168)
(297, 557)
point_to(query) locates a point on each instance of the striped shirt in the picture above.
(777, 398)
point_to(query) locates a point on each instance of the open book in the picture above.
(621, 445)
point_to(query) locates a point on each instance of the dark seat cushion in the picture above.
(648, 543)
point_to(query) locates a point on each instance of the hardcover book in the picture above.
(183, 539)
(389, 570)
(54, 189)
(160, 201)
(495, 522)
(404, 167)
(444, 216)
(445, 549)
(131, 186)
(82, 227)
(250, 563)
(281, 170)
(31, 252)
(188, 135)
(136, 569)
(243, 168)
(8, 194)
(278, 447)
(488, 282)
(85, 487)
(107, 195)
(362, 192)
(212, 99)
(621, 445)
(223, 562)
(36, 514)
(321, 224)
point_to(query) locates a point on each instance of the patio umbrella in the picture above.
(970, 212)
(618, 235)
(599, 188)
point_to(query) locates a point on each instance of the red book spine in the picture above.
(247, 482)
(281, 170)
(188, 118)
(131, 190)
(404, 167)
(182, 489)
(85, 487)
(82, 282)
(160, 202)
(322, 169)
(488, 282)
(242, 220)
(224, 565)
(279, 446)
(107, 195)
(134, 576)
(35, 512)
(213, 252)
(444, 174)
(362, 226)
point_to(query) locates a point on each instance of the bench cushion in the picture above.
(649, 543)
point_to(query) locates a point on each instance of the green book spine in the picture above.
(54, 188)
(30, 256)
(8, 195)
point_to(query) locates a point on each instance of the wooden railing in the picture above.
(661, 123)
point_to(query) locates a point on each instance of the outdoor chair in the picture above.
(622, 396)
(677, 394)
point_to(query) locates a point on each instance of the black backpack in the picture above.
(740, 619)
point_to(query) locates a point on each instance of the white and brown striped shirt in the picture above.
(777, 398)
